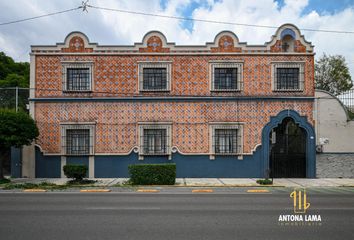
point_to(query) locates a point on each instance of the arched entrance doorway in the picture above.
(287, 157)
(301, 131)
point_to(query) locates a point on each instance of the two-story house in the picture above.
(223, 109)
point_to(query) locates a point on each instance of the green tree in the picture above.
(332, 74)
(13, 74)
(16, 129)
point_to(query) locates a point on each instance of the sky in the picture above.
(114, 28)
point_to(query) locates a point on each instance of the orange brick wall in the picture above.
(118, 75)
(117, 131)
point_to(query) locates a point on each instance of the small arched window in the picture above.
(288, 39)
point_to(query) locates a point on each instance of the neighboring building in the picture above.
(224, 109)
(334, 134)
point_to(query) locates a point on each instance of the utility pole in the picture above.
(16, 99)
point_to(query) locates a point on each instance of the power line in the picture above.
(212, 21)
(85, 5)
(41, 16)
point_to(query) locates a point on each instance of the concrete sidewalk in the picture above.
(213, 182)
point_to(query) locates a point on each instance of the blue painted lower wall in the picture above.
(198, 166)
(47, 166)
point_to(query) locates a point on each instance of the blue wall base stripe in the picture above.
(47, 166)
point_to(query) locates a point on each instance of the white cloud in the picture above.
(107, 27)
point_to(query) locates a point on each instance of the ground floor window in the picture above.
(155, 139)
(226, 139)
(77, 139)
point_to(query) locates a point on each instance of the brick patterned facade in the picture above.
(116, 76)
(117, 106)
(117, 123)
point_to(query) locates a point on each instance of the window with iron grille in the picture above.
(154, 76)
(77, 139)
(226, 138)
(225, 141)
(155, 139)
(288, 76)
(226, 76)
(77, 77)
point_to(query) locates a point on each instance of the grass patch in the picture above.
(49, 186)
(4, 180)
(266, 181)
(80, 182)
(43, 185)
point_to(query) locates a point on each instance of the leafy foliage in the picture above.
(332, 74)
(75, 171)
(4, 180)
(266, 181)
(16, 129)
(13, 74)
(152, 174)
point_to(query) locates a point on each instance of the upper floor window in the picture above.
(226, 139)
(77, 139)
(77, 76)
(154, 76)
(288, 76)
(226, 76)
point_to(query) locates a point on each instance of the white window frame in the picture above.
(225, 125)
(237, 65)
(68, 126)
(164, 64)
(300, 65)
(70, 64)
(154, 125)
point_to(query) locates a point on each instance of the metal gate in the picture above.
(288, 150)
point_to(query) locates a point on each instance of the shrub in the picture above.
(77, 172)
(4, 180)
(152, 174)
(266, 181)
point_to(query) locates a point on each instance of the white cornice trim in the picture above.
(127, 49)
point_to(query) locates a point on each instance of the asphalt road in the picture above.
(233, 215)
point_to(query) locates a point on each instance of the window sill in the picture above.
(78, 155)
(227, 154)
(77, 91)
(226, 90)
(154, 90)
(288, 90)
(154, 154)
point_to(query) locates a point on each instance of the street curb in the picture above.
(258, 191)
(34, 190)
(202, 190)
(95, 190)
(148, 190)
(211, 186)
